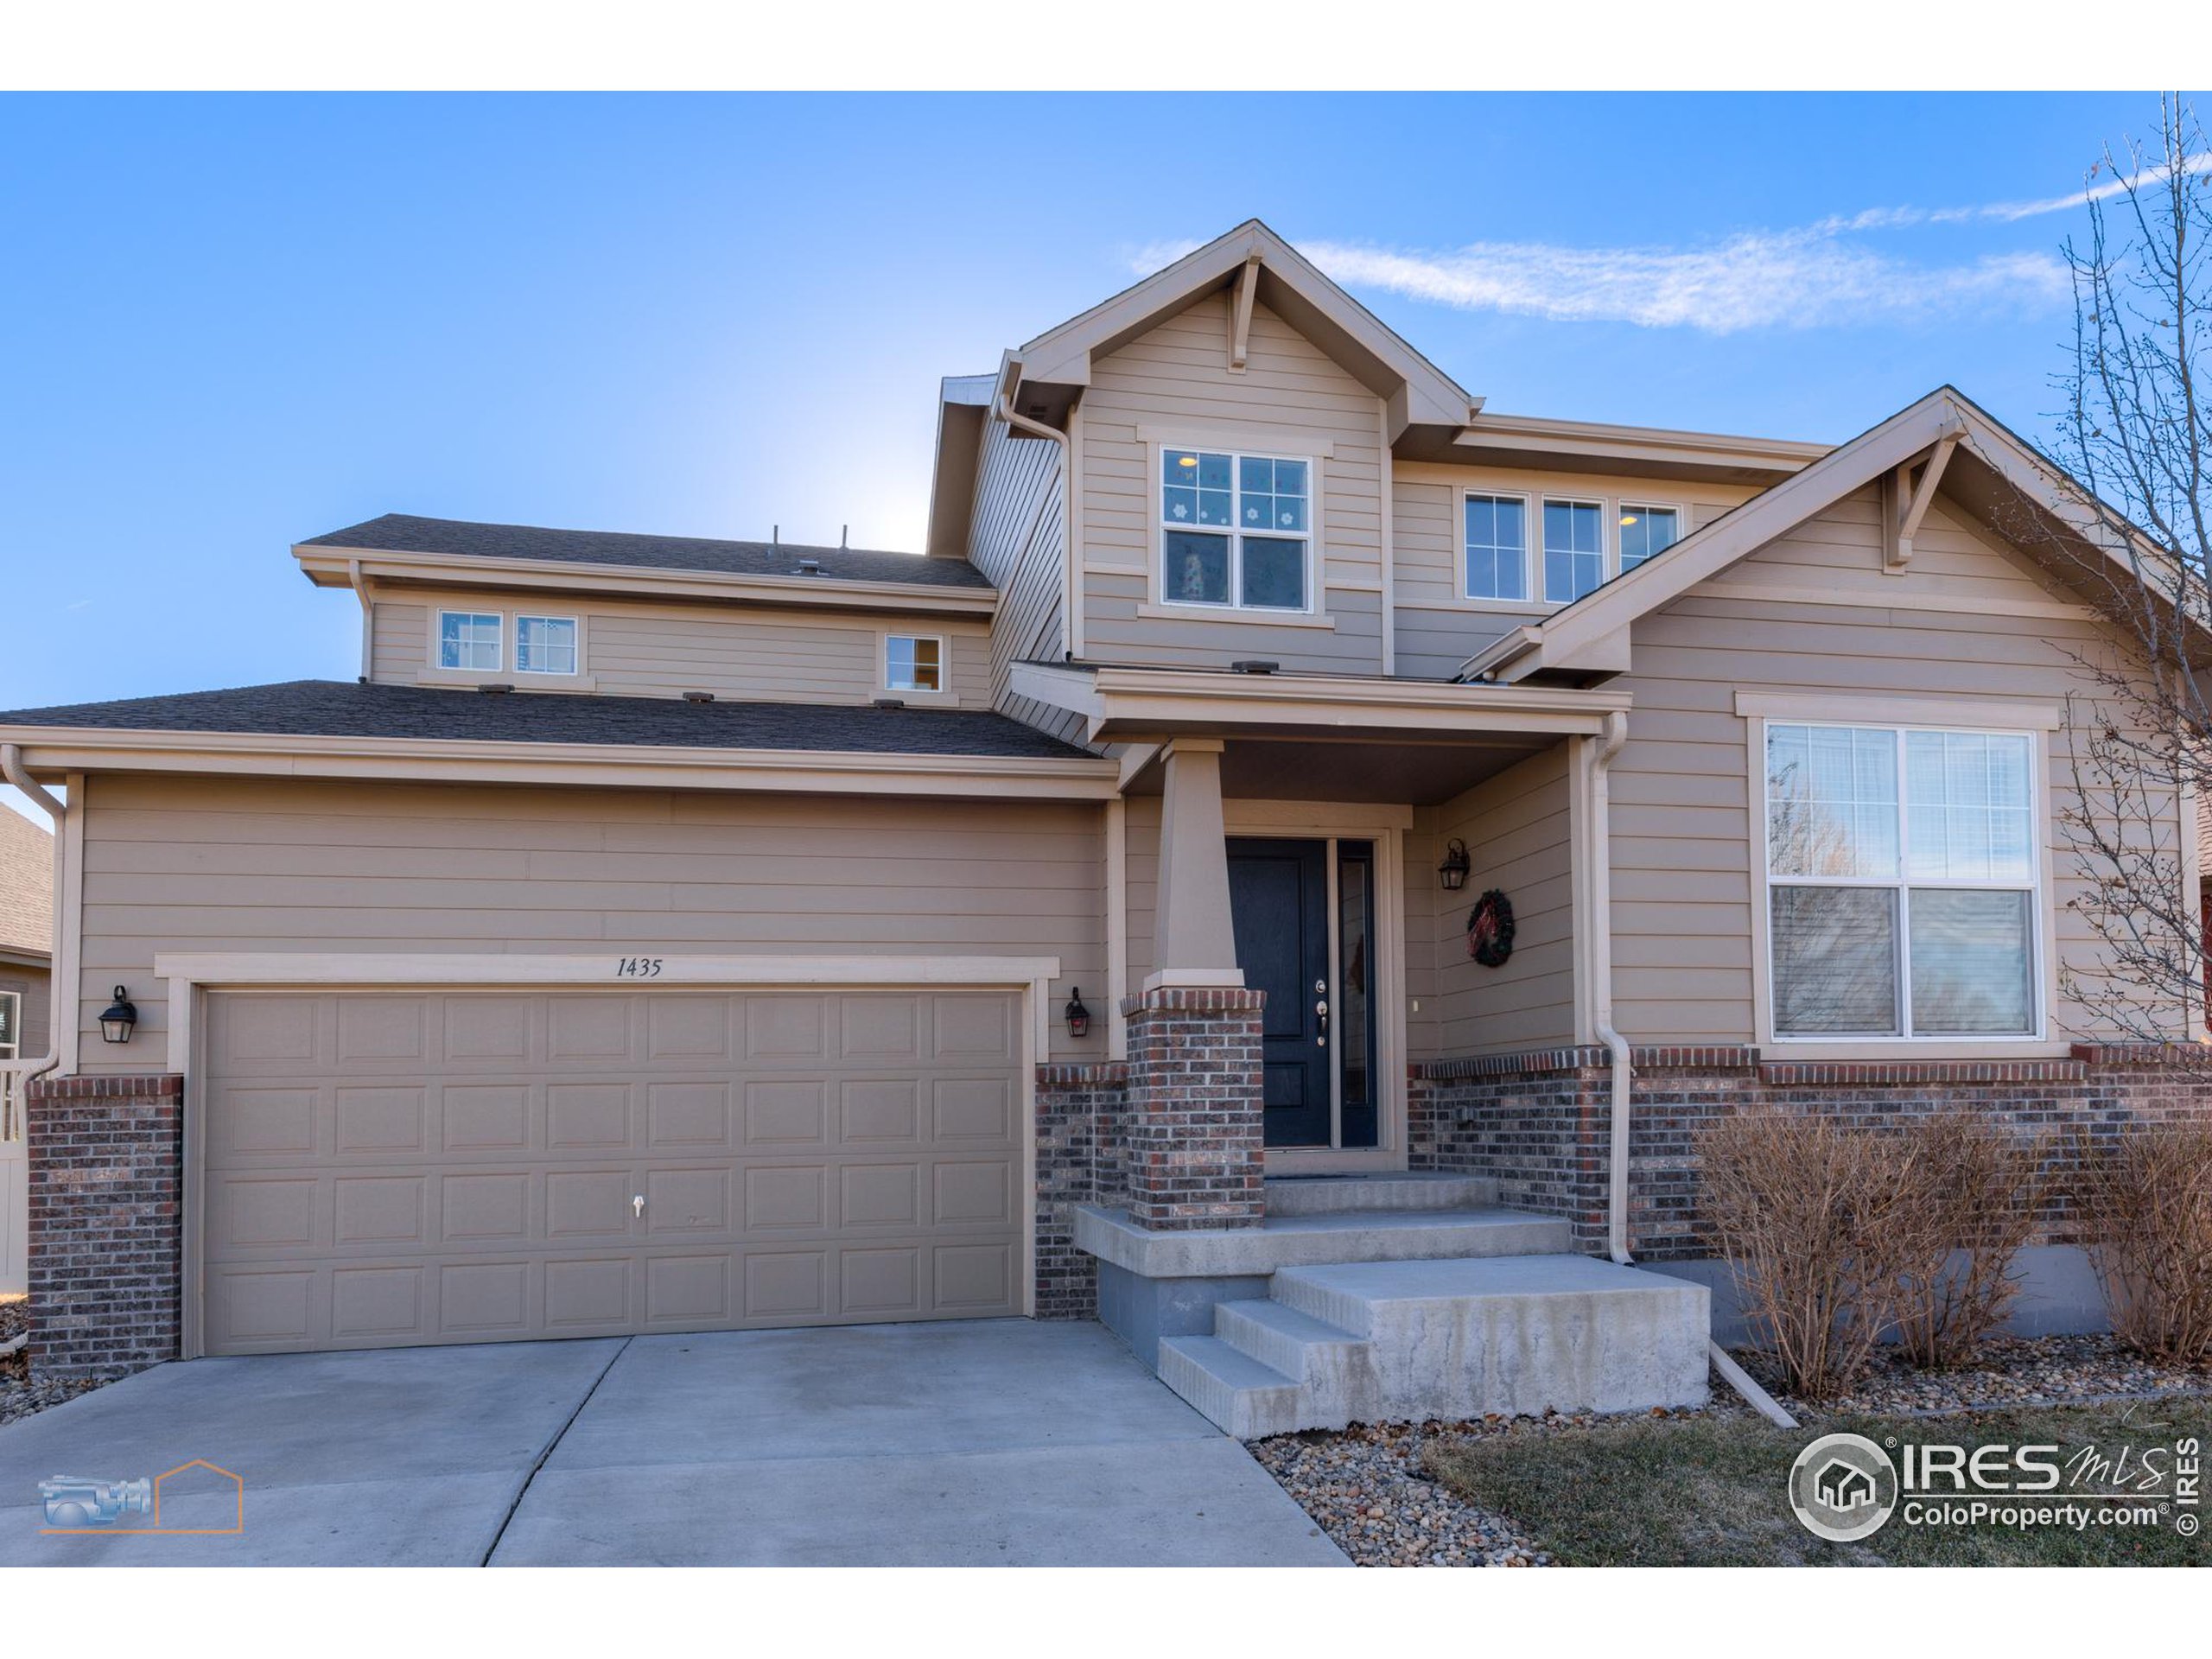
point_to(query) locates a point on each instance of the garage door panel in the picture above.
(588, 1117)
(691, 1114)
(975, 1029)
(582, 1030)
(780, 1030)
(471, 1174)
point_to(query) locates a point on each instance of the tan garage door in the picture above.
(389, 1169)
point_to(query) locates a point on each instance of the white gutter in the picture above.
(1009, 378)
(1601, 975)
(19, 1072)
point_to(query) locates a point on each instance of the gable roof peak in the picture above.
(1288, 284)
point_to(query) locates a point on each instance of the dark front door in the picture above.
(1278, 902)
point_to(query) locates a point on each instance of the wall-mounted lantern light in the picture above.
(1454, 870)
(121, 1016)
(1078, 1016)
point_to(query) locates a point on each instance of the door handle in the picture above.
(1321, 1008)
(637, 1206)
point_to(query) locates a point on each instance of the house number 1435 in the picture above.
(637, 968)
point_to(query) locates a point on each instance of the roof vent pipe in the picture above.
(843, 532)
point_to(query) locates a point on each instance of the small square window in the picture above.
(1646, 532)
(469, 641)
(914, 662)
(545, 645)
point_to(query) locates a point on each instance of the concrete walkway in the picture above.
(990, 1443)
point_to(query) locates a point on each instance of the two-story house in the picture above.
(1297, 841)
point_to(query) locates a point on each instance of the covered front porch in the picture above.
(1280, 835)
(1287, 956)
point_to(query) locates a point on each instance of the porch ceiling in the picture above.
(1332, 767)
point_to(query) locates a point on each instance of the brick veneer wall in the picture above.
(106, 1265)
(1194, 1156)
(1539, 1122)
(1080, 1148)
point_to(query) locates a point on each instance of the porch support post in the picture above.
(1195, 1155)
(1194, 941)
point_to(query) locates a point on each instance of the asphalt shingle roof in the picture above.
(338, 708)
(26, 884)
(399, 532)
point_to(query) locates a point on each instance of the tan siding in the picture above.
(1290, 399)
(655, 651)
(1685, 814)
(193, 864)
(1019, 539)
(1519, 839)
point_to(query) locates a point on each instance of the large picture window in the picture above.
(1902, 882)
(1235, 530)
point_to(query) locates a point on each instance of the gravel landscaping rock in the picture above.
(1368, 1488)
(1365, 1488)
(19, 1395)
(2008, 1371)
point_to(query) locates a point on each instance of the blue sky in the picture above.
(228, 323)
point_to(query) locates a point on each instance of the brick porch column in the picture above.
(106, 1265)
(1194, 1154)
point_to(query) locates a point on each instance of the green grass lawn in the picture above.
(1711, 1492)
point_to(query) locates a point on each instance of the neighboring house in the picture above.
(670, 934)
(26, 964)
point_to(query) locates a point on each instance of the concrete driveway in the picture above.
(994, 1443)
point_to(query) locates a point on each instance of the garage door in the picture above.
(384, 1170)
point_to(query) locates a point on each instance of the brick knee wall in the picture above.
(106, 1209)
(1539, 1122)
(1194, 1152)
(1079, 1156)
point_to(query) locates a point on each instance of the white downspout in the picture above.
(20, 1073)
(1601, 968)
(1601, 975)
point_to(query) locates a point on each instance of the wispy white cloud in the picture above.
(1761, 279)
(1821, 274)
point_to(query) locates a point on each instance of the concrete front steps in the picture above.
(1442, 1338)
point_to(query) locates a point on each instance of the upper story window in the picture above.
(1646, 532)
(11, 1024)
(1903, 882)
(545, 645)
(914, 662)
(1575, 548)
(1498, 547)
(1235, 530)
(470, 640)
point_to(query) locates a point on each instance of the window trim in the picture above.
(1236, 451)
(438, 615)
(1885, 714)
(1468, 495)
(574, 622)
(884, 688)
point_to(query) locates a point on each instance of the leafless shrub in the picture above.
(1821, 1223)
(1975, 1191)
(2146, 1192)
